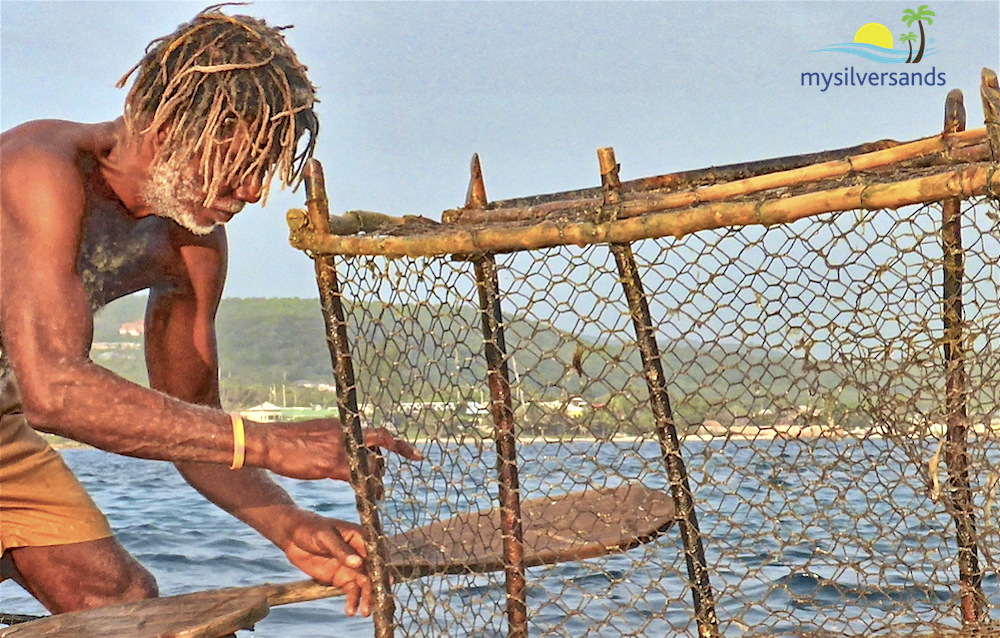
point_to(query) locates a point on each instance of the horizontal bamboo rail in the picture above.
(934, 150)
(707, 176)
(935, 184)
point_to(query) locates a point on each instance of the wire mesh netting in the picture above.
(807, 366)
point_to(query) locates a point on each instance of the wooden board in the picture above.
(935, 630)
(562, 528)
(208, 614)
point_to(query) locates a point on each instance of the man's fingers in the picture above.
(332, 551)
(405, 449)
(348, 542)
(377, 460)
(344, 552)
(384, 439)
(352, 594)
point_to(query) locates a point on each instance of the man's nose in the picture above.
(250, 189)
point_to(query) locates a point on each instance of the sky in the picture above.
(410, 90)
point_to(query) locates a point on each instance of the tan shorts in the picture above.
(41, 502)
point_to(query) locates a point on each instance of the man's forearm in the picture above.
(248, 494)
(99, 408)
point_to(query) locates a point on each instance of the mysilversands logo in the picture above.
(874, 42)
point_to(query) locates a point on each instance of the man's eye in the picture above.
(227, 128)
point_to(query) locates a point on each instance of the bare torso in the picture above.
(116, 254)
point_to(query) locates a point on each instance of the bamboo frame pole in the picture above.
(501, 408)
(703, 176)
(989, 90)
(864, 157)
(639, 202)
(956, 390)
(666, 430)
(365, 481)
(937, 184)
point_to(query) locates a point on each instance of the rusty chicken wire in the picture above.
(806, 372)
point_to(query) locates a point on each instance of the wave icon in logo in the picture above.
(874, 41)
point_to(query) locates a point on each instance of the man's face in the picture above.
(176, 191)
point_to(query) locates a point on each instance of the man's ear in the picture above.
(158, 138)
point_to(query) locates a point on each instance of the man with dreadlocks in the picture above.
(91, 213)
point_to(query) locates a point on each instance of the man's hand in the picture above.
(331, 551)
(315, 449)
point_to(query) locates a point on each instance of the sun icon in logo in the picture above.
(875, 34)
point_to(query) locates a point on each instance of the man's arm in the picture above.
(46, 322)
(182, 360)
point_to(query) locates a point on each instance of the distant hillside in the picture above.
(261, 341)
(111, 317)
(413, 352)
(429, 352)
(264, 341)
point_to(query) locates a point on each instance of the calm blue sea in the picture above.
(190, 545)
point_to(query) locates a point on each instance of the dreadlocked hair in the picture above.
(218, 76)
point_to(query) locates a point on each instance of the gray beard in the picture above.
(170, 195)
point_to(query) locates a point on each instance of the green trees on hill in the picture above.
(268, 341)
(263, 344)
(432, 353)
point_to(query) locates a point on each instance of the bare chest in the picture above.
(120, 255)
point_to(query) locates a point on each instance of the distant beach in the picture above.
(62, 443)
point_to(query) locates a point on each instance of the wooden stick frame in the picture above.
(952, 164)
(965, 182)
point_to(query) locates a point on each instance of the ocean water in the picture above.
(775, 569)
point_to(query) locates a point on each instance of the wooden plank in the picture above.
(207, 614)
(557, 529)
(935, 630)
(562, 528)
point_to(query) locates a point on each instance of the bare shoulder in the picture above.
(35, 143)
(59, 135)
(40, 167)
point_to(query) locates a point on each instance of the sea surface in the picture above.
(191, 545)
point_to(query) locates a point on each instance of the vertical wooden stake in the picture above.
(503, 418)
(687, 519)
(956, 391)
(989, 90)
(367, 486)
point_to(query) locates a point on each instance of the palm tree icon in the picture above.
(910, 16)
(909, 38)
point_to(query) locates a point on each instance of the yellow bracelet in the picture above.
(239, 441)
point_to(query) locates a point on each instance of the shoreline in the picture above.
(764, 435)
(62, 443)
(57, 442)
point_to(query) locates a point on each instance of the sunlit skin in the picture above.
(61, 185)
(876, 34)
